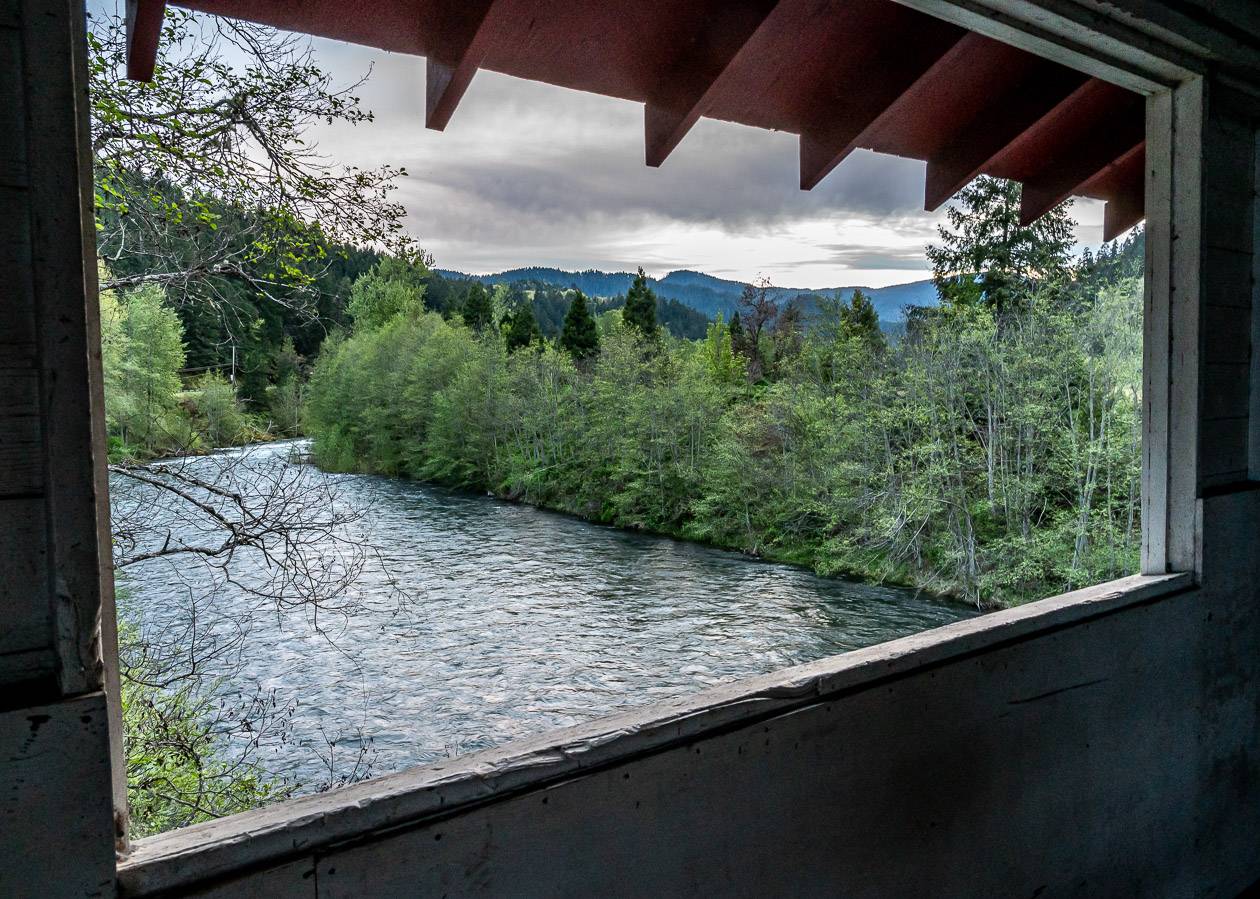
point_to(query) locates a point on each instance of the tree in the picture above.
(724, 366)
(205, 175)
(524, 328)
(757, 313)
(143, 348)
(639, 312)
(986, 257)
(394, 287)
(478, 310)
(579, 336)
(858, 319)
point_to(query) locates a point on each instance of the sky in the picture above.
(530, 174)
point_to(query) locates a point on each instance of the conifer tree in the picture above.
(859, 319)
(987, 258)
(640, 309)
(478, 310)
(579, 336)
(524, 328)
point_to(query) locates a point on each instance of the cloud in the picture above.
(874, 257)
(528, 173)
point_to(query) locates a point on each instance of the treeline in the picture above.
(993, 453)
(550, 304)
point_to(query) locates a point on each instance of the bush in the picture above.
(218, 413)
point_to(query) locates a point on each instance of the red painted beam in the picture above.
(680, 99)
(1040, 196)
(999, 123)
(1108, 129)
(144, 27)
(889, 48)
(925, 120)
(1123, 185)
(464, 41)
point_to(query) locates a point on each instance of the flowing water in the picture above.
(501, 621)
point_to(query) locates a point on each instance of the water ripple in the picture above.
(518, 620)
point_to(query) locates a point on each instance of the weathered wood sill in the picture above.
(363, 812)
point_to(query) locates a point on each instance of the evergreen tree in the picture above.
(524, 328)
(579, 335)
(859, 319)
(478, 310)
(987, 258)
(640, 309)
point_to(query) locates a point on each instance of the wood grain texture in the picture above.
(21, 443)
(25, 603)
(1156, 333)
(63, 275)
(12, 109)
(55, 809)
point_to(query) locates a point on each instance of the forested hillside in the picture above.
(708, 294)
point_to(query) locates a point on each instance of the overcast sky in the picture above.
(529, 174)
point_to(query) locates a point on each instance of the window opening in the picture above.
(306, 414)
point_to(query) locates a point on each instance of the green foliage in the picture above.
(987, 257)
(579, 337)
(523, 329)
(859, 320)
(639, 312)
(218, 414)
(391, 289)
(994, 456)
(142, 354)
(179, 771)
(724, 366)
(478, 311)
(148, 411)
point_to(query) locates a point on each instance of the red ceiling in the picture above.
(842, 74)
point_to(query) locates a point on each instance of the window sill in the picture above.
(270, 836)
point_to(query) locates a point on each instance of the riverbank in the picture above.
(803, 556)
(986, 460)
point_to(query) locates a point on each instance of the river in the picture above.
(501, 620)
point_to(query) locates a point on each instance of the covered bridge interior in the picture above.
(1104, 742)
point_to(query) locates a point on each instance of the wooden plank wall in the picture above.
(26, 646)
(57, 796)
(1228, 291)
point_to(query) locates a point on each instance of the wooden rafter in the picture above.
(696, 75)
(841, 74)
(982, 137)
(897, 48)
(144, 27)
(1109, 128)
(464, 41)
(1123, 185)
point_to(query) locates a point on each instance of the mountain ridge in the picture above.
(703, 292)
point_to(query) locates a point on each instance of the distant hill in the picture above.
(705, 293)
